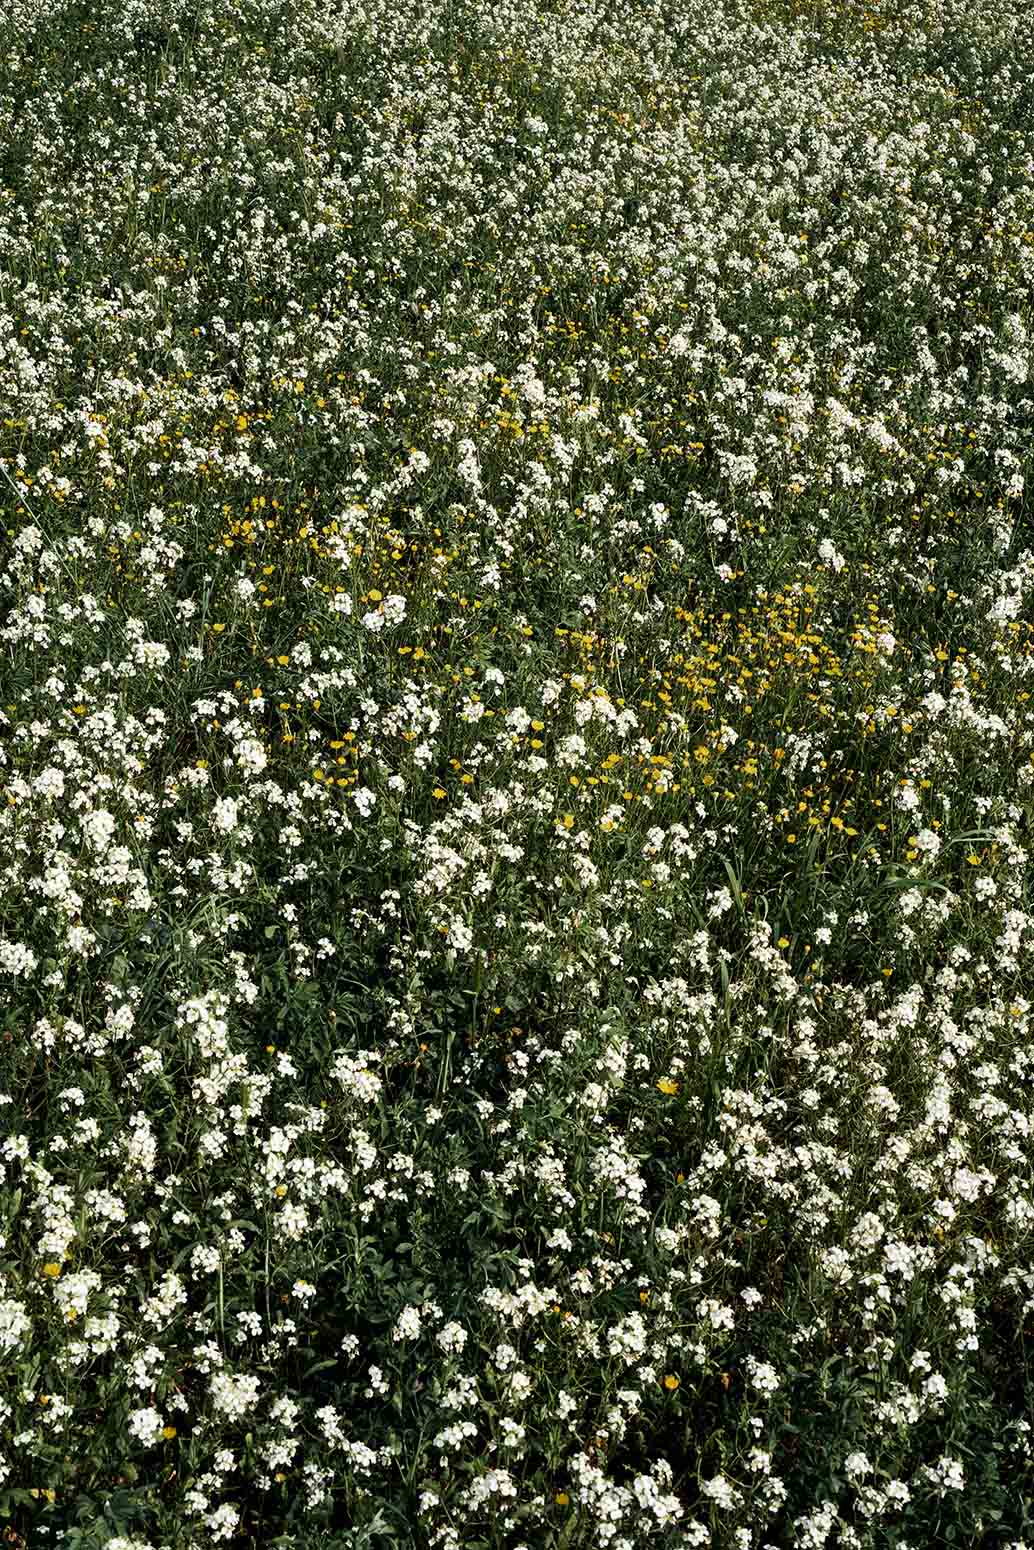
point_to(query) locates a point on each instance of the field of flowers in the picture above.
(516, 774)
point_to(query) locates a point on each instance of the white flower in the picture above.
(720, 1491)
(15, 1323)
(907, 798)
(763, 1376)
(224, 815)
(16, 959)
(233, 1395)
(98, 828)
(407, 1325)
(50, 783)
(73, 1292)
(223, 1521)
(947, 1474)
(251, 756)
(146, 1426)
(928, 842)
(452, 1338)
(856, 1467)
(364, 800)
(151, 653)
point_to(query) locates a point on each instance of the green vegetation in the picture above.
(516, 773)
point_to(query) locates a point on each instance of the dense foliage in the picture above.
(516, 762)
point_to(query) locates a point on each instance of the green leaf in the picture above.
(310, 1372)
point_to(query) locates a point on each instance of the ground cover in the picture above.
(516, 761)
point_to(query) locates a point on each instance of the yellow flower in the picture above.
(671, 1383)
(666, 1085)
(52, 1268)
(168, 1432)
(438, 793)
(561, 1498)
(280, 1191)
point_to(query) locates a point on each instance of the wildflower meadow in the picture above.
(516, 774)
